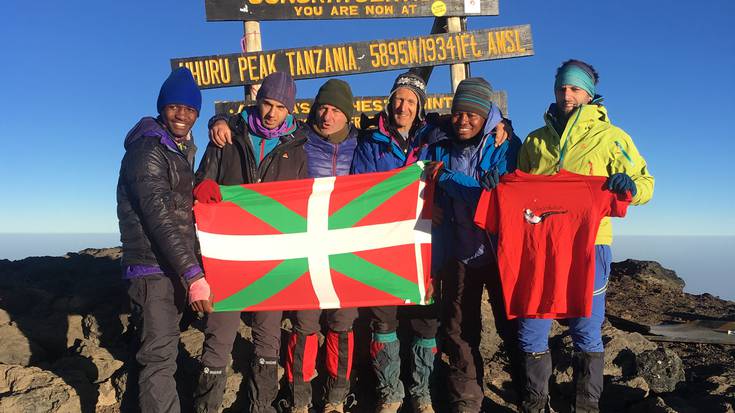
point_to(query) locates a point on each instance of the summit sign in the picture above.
(259, 10)
(361, 57)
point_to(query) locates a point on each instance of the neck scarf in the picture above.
(336, 137)
(255, 124)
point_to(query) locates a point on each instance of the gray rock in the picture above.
(30, 389)
(621, 392)
(97, 364)
(652, 405)
(106, 394)
(647, 271)
(18, 349)
(661, 368)
(4, 317)
(621, 349)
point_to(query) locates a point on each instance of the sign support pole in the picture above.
(252, 44)
(457, 71)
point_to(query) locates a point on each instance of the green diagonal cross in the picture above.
(265, 208)
(365, 203)
(265, 287)
(377, 277)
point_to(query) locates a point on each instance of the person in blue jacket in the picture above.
(396, 142)
(469, 161)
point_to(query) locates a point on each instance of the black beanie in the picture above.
(415, 84)
(337, 93)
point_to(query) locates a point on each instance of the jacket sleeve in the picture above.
(209, 166)
(363, 160)
(524, 156)
(216, 117)
(460, 186)
(147, 180)
(628, 160)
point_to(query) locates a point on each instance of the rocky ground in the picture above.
(66, 345)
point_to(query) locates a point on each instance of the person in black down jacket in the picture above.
(154, 208)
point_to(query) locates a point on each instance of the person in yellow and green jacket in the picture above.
(579, 137)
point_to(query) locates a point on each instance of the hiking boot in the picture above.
(588, 368)
(210, 390)
(422, 407)
(388, 407)
(537, 367)
(334, 408)
(263, 384)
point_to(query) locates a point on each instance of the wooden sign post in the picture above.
(252, 44)
(361, 57)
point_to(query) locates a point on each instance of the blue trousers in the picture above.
(533, 333)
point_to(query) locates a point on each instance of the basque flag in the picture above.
(349, 241)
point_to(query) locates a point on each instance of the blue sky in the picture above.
(77, 75)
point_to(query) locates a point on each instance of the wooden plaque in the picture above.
(362, 57)
(259, 10)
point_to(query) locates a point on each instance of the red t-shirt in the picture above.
(546, 226)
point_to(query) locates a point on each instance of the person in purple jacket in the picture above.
(329, 141)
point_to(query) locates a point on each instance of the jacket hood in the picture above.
(149, 127)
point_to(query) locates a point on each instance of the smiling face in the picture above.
(467, 125)
(179, 119)
(569, 97)
(330, 119)
(272, 113)
(404, 105)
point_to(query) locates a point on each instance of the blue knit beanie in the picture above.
(180, 88)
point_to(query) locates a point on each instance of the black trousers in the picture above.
(157, 302)
(462, 288)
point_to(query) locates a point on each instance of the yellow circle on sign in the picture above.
(439, 8)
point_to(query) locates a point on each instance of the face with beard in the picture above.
(569, 97)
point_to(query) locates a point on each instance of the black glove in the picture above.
(490, 180)
(620, 183)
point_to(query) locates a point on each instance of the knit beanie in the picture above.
(416, 85)
(337, 93)
(473, 96)
(180, 89)
(280, 87)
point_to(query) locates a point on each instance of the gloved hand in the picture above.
(207, 192)
(434, 169)
(620, 183)
(490, 180)
(200, 296)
